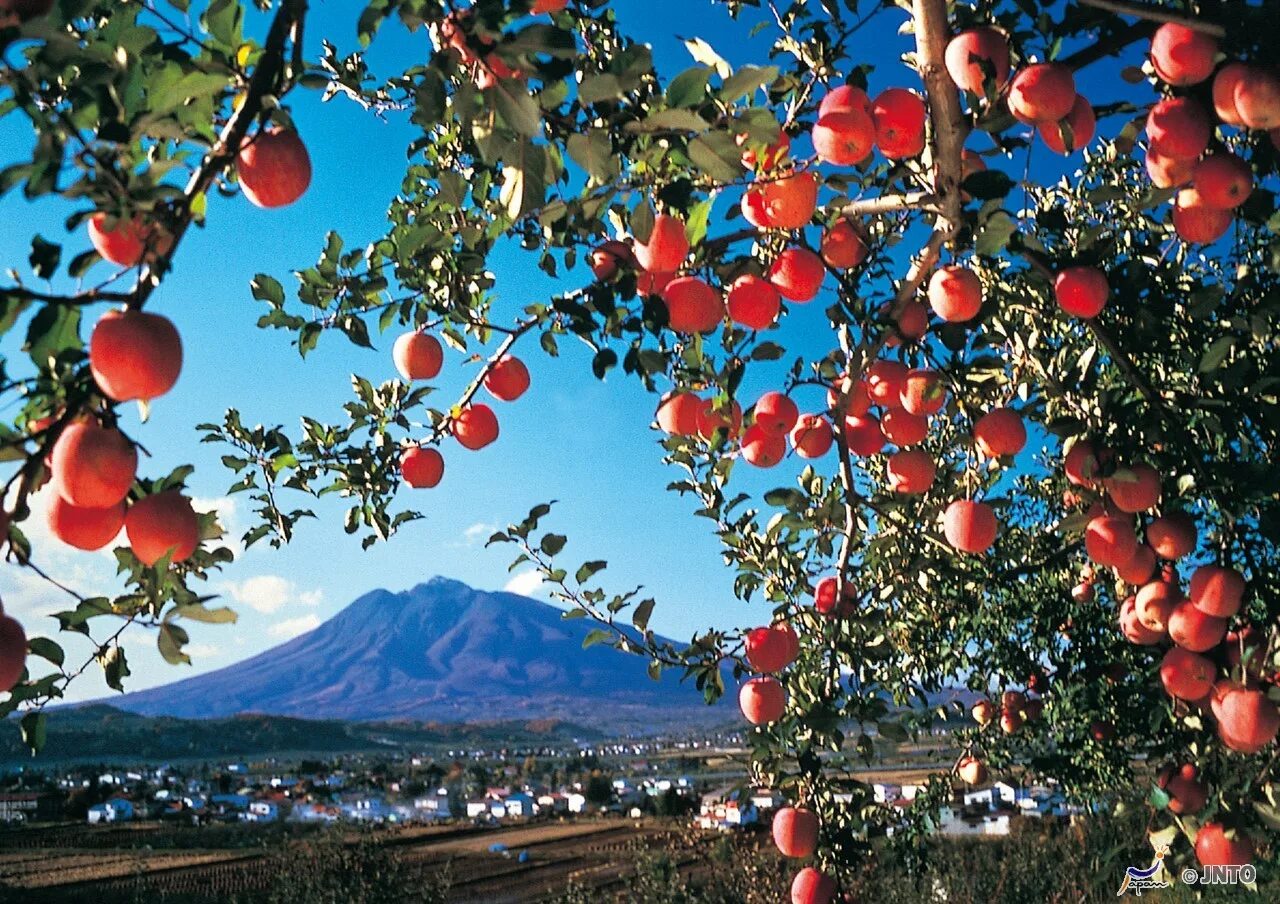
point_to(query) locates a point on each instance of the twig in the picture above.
(93, 296)
(1127, 34)
(1154, 14)
(468, 394)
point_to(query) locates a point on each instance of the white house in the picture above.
(116, 810)
(1007, 793)
(553, 803)
(435, 806)
(908, 792)
(366, 809)
(262, 811)
(995, 824)
(520, 804)
(767, 799)
(885, 793)
(987, 797)
(477, 808)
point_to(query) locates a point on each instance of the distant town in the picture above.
(703, 780)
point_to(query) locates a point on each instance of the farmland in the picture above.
(120, 864)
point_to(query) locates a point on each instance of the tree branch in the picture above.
(263, 82)
(1155, 14)
(919, 200)
(932, 35)
(1117, 41)
(93, 296)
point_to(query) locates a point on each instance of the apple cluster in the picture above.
(419, 356)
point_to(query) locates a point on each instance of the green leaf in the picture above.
(45, 257)
(988, 184)
(785, 497)
(640, 618)
(717, 155)
(517, 107)
(703, 53)
(115, 668)
(600, 87)
(590, 569)
(1216, 353)
(552, 543)
(542, 39)
(746, 80)
(267, 288)
(689, 88)
(198, 612)
(595, 636)
(54, 328)
(670, 121)
(171, 641)
(33, 726)
(593, 151)
(523, 187)
(222, 20)
(603, 361)
(995, 234)
(46, 649)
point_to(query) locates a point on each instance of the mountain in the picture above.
(100, 733)
(442, 652)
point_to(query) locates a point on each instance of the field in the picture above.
(68, 863)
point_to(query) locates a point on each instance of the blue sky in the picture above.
(571, 438)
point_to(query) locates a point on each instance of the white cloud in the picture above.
(525, 583)
(268, 593)
(292, 627)
(478, 533)
(199, 651)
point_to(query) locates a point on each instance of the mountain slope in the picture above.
(441, 651)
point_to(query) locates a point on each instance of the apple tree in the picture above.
(1031, 456)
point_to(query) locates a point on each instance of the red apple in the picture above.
(421, 467)
(911, 472)
(762, 700)
(1181, 55)
(507, 379)
(1186, 675)
(772, 649)
(1191, 629)
(666, 248)
(1215, 848)
(811, 437)
(274, 167)
(970, 526)
(976, 55)
(134, 355)
(417, 356)
(1217, 590)
(795, 832)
